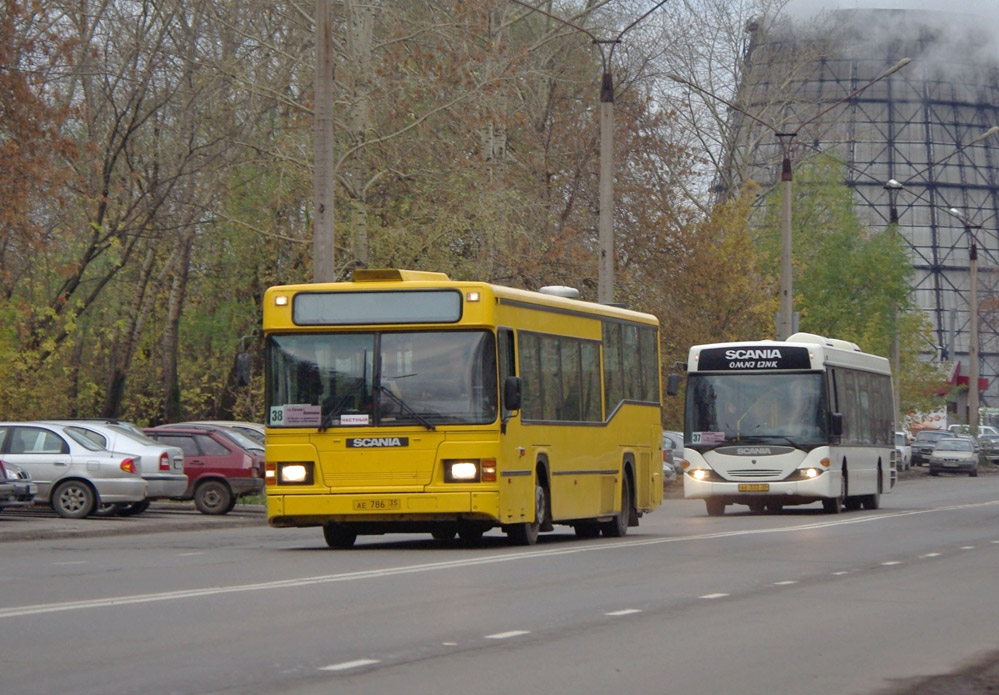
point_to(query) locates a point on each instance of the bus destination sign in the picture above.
(750, 357)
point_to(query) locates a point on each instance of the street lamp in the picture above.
(605, 225)
(969, 228)
(785, 139)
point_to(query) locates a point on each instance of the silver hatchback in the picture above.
(74, 475)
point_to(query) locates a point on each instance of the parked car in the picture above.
(219, 471)
(162, 466)
(240, 439)
(989, 444)
(922, 445)
(966, 429)
(672, 455)
(904, 451)
(16, 487)
(248, 429)
(954, 455)
(74, 475)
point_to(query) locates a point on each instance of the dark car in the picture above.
(924, 443)
(16, 487)
(218, 470)
(989, 444)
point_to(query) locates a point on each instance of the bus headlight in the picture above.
(461, 471)
(810, 473)
(295, 473)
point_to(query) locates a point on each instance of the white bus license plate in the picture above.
(378, 505)
(754, 487)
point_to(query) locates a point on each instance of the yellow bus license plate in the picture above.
(754, 487)
(377, 505)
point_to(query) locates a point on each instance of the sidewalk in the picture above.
(41, 523)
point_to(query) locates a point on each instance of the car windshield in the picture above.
(729, 408)
(381, 379)
(899, 440)
(953, 444)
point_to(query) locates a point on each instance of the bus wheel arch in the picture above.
(626, 515)
(526, 532)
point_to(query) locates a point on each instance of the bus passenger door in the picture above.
(515, 467)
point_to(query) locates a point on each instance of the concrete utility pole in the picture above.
(605, 224)
(322, 171)
(973, 367)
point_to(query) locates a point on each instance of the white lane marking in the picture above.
(713, 596)
(841, 573)
(967, 547)
(930, 555)
(508, 635)
(625, 611)
(786, 582)
(200, 552)
(540, 553)
(890, 563)
(347, 665)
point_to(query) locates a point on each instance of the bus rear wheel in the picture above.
(338, 537)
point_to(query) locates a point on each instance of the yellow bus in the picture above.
(405, 402)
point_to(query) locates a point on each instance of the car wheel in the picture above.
(133, 508)
(73, 499)
(973, 473)
(213, 497)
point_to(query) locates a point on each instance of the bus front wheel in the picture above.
(527, 533)
(715, 507)
(339, 537)
(618, 526)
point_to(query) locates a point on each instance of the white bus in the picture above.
(769, 424)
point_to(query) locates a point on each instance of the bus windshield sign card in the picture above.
(748, 357)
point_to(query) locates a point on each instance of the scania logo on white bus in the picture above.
(753, 451)
(753, 354)
(376, 442)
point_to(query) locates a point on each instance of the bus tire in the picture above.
(833, 505)
(618, 526)
(757, 506)
(871, 501)
(339, 537)
(715, 507)
(526, 533)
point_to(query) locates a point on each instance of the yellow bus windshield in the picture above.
(382, 379)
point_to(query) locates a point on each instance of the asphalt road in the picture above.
(771, 565)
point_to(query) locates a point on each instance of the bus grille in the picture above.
(754, 473)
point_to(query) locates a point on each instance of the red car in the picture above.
(218, 470)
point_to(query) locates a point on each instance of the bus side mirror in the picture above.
(672, 384)
(511, 393)
(242, 369)
(836, 424)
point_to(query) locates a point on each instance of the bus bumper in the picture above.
(315, 510)
(826, 486)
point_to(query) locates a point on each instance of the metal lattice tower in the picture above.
(921, 127)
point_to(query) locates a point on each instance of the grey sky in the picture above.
(985, 8)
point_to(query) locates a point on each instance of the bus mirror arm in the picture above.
(672, 384)
(836, 424)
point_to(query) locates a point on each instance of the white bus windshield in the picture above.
(762, 407)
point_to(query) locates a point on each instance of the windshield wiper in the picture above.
(405, 407)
